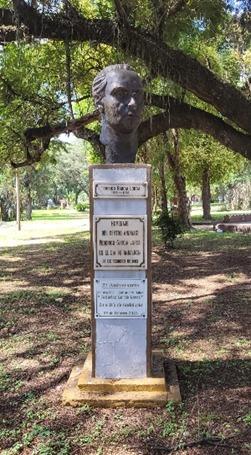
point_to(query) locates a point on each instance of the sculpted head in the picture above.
(118, 94)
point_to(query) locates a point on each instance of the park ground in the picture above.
(201, 308)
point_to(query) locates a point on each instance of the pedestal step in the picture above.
(82, 389)
(87, 383)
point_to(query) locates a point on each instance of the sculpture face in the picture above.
(123, 101)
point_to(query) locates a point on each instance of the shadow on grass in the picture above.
(218, 374)
(201, 255)
(45, 330)
(48, 264)
(216, 316)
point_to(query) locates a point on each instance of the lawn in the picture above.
(201, 305)
(45, 226)
(57, 214)
(218, 211)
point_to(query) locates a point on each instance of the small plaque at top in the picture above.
(119, 190)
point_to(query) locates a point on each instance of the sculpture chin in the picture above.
(127, 125)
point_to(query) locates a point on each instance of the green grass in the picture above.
(210, 240)
(45, 226)
(217, 212)
(51, 333)
(57, 215)
(198, 240)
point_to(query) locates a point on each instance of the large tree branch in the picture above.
(176, 115)
(70, 126)
(160, 58)
(92, 137)
(37, 140)
(33, 153)
(182, 115)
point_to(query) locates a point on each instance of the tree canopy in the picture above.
(194, 57)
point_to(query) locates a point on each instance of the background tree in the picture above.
(205, 165)
(61, 46)
(60, 175)
(71, 174)
(63, 175)
(7, 195)
(236, 193)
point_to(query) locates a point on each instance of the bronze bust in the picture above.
(118, 94)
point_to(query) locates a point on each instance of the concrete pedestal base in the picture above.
(82, 389)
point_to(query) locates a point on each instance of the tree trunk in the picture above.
(28, 200)
(179, 180)
(4, 211)
(18, 210)
(155, 198)
(77, 193)
(206, 194)
(29, 206)
(163, 195)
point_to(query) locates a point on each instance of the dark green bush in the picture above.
(170, 227)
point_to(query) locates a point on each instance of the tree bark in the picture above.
(18, 210)
(77, 193)
(155, 199)
(4, 211)
(206, 194)
(29, 205)
(179, 180)
(163, 193)
(182, 115)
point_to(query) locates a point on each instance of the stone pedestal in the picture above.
(82, 388)
(119, 370)
(121, 253)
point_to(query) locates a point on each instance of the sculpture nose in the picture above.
(132, 102)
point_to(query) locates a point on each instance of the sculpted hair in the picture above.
(99, 82)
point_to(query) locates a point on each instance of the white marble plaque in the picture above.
(120, 298)
(119, 190)
(120, 242)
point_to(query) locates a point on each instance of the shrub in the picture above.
(82, 206)
(170, 228)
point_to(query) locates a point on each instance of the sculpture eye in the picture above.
(120, 93)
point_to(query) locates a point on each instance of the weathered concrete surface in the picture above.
(121, 344)
(120, 348)
(81, 389)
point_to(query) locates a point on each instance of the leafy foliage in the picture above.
(170, 227)
(200, 151)
(82, 206)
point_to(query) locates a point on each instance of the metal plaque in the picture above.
(120, 242)
(123, 298)
(119, 190)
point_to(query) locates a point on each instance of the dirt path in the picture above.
(201, 318)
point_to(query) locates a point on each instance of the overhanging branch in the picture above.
(160, 58)
(49, 131)
(178, 115)
(182, 115)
